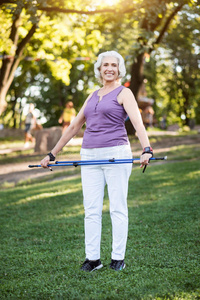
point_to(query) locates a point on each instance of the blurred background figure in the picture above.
(148, 114)
(67, 116)
(30, 123)
(163, 123)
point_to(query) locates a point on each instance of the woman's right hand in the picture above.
(45, 161)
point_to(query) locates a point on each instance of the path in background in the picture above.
(15, 172)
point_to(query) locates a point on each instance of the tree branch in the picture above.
(14, 30)
(92, 12)
(169, 19)
(19, 53)
(7, 1)
(73, 11)
(7, 63)
(25, 40)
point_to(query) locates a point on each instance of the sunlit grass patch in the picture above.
(184, 152)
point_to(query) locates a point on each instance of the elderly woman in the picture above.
(105, 137)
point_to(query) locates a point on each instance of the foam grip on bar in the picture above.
(33, 166)
(136, 161)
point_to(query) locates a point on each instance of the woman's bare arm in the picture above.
(127, 99)
(68, 134)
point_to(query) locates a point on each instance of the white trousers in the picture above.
(94, 179)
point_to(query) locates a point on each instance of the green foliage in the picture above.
(184, 86)
(173, 71)
(56, 73)
(5, 42)
(19, 91)
(132, 30)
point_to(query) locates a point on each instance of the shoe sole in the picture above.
(123, 267)
(97, 268)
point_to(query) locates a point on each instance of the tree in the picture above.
(57, 44)
(156, 17)
(172, 74)
(12, 116)
(25, 19)
(183, 50)
(52, 94)
(141, 33)
(10, 64)
(146, 22)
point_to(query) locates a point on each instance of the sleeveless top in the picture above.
(105, 121)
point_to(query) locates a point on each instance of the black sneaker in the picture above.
(117, 265)
(91, 265)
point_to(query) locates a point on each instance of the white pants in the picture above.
(94, 179)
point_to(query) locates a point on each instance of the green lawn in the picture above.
(42, 239)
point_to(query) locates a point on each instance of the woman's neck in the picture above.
(110, 85)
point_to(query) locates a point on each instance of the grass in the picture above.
(42, 238)
(181, 153)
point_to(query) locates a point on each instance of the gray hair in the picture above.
(97, 65)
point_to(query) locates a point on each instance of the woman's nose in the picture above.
(109, 67)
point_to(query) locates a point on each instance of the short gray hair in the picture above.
(97, 65)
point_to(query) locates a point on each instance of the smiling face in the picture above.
(109, 68)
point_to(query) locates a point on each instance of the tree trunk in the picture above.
(137, 75)
(13, 117)
(135, 85)
(10, 64)
(138, 66)
(3, 103)
(186, 107)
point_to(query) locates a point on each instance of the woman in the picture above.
(67, 116)
(105, 137)
(30, 123)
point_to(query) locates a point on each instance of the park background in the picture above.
(47, 52)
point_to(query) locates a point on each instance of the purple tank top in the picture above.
(105, 121)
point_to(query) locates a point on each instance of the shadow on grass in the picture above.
(43, 239)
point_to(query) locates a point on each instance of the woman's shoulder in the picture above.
(126, 92)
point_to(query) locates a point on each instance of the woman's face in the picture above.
(109, 68)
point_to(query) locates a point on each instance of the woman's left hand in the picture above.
(144, 159)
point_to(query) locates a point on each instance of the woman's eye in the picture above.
(106, 65)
